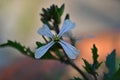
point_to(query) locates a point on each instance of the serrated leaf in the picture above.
(88, 66)
(19, 47)
(92, 67)
(47, 55)
(110, 64)
(52, 16)
(95, 56)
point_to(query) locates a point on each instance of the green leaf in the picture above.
(117, 62)
(61, 9)
(116, 76)
(91, 68)
(19, 47)
(56, 15)
(95, 56)
(47, 55)
(110, 64)
(26, 51)
(88, 66)
(52, 16)
(59, 54)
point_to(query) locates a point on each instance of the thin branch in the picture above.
(45, 39)
(70, 62)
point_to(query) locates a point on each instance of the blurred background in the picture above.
(20, 20)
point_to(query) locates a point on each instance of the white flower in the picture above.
(71, 51)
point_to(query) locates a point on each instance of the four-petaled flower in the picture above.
(71, 51)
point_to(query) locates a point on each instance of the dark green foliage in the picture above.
(52, 15)
(117, 62)
(26, 51)
(19, 47)
(116, 76)
(58, 53)
(91, 68)
(67, 16)
(95, 56)
(88, 67)
(110, 64)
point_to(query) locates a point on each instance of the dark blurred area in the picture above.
(29, 69)
(20, 20)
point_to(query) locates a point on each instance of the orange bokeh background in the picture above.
(105, 42)
(20, 20)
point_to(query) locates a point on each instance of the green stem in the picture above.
(45, 39)
(70, 62)
(56, 28)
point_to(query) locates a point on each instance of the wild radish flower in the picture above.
(70, 50)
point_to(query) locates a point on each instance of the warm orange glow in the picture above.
(105, 43)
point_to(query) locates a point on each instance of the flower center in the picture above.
(56, 38)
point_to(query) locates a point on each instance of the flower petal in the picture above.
(67, 25)
(71, 51)
(45, 31)
(42, 50)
